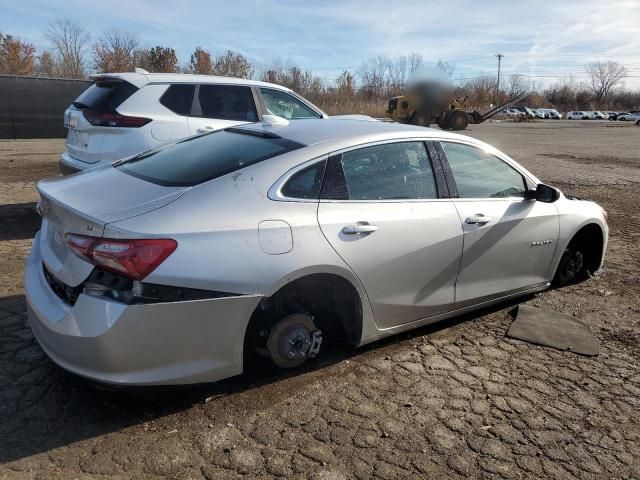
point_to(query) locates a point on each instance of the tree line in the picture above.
(72, 54)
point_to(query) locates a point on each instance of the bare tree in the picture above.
(16, 56)
(46, 65)
(70, 41)
(374, 74)
(517, 85)
(447, 67)
(346, 85)
(201, 62)
(604, 76)
(562, 95)
(115, 51)
(415, 61)
(480, 91)
(584, 98)
(398, 71)
(626, 100)
(232, 64)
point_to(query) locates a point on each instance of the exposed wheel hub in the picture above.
(574, 264)
(293, 340)
(295, 343)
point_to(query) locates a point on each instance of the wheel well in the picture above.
(332, 300)
(591, 239)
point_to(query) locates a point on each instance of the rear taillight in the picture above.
(135, 258)
(113, 119)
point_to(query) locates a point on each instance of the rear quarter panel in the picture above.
(216, 227)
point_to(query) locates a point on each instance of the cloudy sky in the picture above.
(542, 39)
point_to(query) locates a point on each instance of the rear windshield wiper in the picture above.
(80, 105)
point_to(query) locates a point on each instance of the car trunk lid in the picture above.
(85, 140)
(85, 204)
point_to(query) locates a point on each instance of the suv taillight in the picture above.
(113, 119)
(135, 258)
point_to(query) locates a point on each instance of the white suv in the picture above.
(123, 114)
(578, 116)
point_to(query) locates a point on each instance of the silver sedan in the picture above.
(177, 265)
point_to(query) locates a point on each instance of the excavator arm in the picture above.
(477, 117)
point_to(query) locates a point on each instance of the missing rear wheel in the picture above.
(293, 340)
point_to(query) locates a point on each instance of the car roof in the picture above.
(314, 131)
(141, 79)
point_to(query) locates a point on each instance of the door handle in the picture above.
(359, 228)
(478, 219)
(205, 129)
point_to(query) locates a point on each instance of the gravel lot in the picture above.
(456, 399)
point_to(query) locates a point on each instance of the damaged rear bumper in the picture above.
(143, 344)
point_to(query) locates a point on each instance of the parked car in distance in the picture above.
(629, 117)
(527, 111)
(597, 115)
(551, 113)
(539, 113)
(578, 115)
(171, 268)
(512, 112)
(123, 114)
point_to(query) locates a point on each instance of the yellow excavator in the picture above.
(424, 104)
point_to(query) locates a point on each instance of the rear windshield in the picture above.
(105, 95)
(199, 159)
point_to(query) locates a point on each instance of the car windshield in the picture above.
(200, 159)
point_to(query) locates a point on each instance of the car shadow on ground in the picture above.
(43, 407)
(18, 221)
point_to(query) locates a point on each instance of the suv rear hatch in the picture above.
(84, 204)
(93, 115)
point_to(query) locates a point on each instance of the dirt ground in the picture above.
(456, 399)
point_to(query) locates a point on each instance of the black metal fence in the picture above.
(33, 107)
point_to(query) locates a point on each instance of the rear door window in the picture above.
(178, 98)
(286, 106)
(199, 159)
(392, 171)
(227, 102)
(105, 96)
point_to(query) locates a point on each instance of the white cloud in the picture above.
(537, 38)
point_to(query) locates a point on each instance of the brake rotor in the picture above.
(293, 340)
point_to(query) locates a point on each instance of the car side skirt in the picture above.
(382, 333)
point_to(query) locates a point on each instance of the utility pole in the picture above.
(499, 56)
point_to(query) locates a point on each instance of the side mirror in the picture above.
(543, 193)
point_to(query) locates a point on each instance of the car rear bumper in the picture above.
(144, 344)
(69, 165)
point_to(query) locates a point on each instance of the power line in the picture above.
(529, 76)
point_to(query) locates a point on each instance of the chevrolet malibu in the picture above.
(274, 239)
